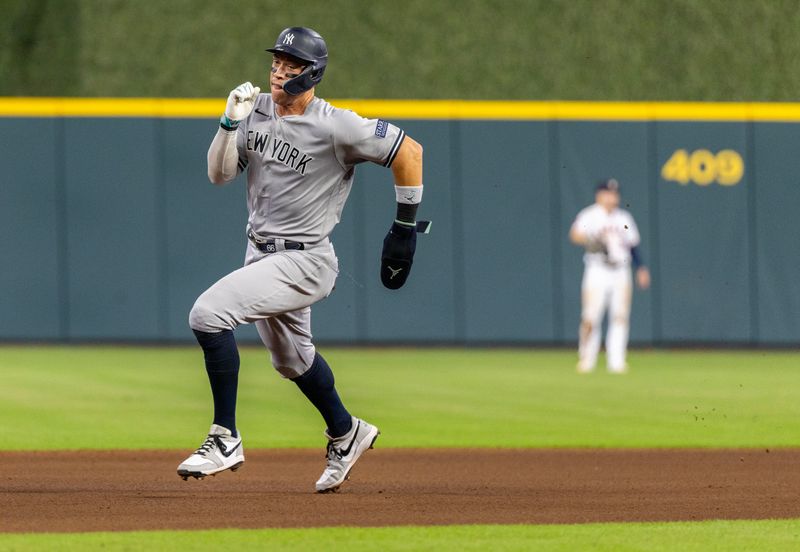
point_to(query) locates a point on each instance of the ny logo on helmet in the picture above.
(288, 39)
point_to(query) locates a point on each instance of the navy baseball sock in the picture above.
(317, 385)
(222, 366)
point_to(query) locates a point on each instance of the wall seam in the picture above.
(162, 230)
(655, 238)
(458, 253)
(62, 230)
(557, 268)
(752, 235)
(361, 298)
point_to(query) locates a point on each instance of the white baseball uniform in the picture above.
(607, 284)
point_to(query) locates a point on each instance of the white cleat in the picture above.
(618, 369)
(343, 452)
(219, 452)
(584, 368)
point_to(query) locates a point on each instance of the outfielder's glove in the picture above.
(397, 255)
(596, 243)
(241, 101)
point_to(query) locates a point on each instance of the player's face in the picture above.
(608, 199)
(283, 68)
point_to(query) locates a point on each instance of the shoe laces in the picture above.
(207, 445)
(332, 453)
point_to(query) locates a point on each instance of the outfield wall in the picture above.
(111, 229)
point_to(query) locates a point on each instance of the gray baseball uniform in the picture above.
(299, 174)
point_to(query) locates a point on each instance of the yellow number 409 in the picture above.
(703, 167)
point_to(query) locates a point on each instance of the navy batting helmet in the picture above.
(610, 184)
(307, 45)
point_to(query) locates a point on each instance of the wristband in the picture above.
(227, 123)
(408, 198)
(409, 195)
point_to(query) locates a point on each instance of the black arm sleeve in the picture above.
(636, 257)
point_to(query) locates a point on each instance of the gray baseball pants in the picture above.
(274, 291)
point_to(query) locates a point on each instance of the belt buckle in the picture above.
(264, 245)
(253, 237)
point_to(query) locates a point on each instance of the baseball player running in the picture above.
(299, 153)
(611, 240)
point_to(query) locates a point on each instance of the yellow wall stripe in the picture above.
(418, 109)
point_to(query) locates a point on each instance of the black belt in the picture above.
(271, 245)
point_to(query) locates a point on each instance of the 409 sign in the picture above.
(704, 167)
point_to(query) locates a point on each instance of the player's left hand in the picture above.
(398, 255)
(643, 277)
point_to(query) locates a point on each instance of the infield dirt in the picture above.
(139, 490)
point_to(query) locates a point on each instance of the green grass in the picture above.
(771, 535)
(490, 49)
(126, 397)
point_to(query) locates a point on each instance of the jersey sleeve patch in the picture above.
(380, 128)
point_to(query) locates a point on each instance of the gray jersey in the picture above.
(300, 167)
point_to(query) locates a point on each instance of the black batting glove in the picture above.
(398, 255)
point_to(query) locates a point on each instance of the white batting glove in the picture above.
(241, 101)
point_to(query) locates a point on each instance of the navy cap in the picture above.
(610, 184)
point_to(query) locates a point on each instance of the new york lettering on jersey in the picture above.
(277, 149)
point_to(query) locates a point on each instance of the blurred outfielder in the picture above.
(300, 154)
(611, 240)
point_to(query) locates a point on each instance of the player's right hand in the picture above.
(241, 101)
